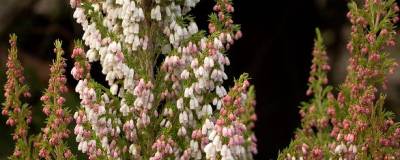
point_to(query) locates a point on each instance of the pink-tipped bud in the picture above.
(374, 57)
(349, 138)
(246, 84)
(29, 120)
(211, 28)
(27, 94)
(67, 154)
(77, 51)
(238, 35)
(4, 112)
(60, 100)
(253, 117)
(391, 43)
(331, 111)
(221, 16)
(120, 57)
(46, 110)
(44, 98)
(43, 153)
(232, 117)
(364, 50)
(217, 8)
(395, 19)
(396, 8)
(346, 124)
(10, 122)
(384, 32)
(229, 8)
(220, 122)
(17, 153)
(309, 92)
(59, 112)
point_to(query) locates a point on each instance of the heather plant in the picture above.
(18, 112)
(51, 142)
(164, 96)
(353, 124)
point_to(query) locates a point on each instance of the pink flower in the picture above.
(349, 138)
(44, 98)
(10, 122)
(60, 100)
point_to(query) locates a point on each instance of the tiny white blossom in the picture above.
(193, 104)
(183, 117)
(206, 110)
(182, 131)
(185, 74)
(179, 103)
(188, 92)
(193, 28)
(340, 149)
(92, 55)
(208, 62)
(114, 89)
(156, 13)
(218, 43)
(210, 151)
(220, 90)
(132, 149)
(120, 2)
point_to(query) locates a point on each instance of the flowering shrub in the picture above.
(353, 124)
(174, 109)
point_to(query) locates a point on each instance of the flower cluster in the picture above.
(51, 143)
(229, 134)
(19, 114)
(149, 110)
(352, 125)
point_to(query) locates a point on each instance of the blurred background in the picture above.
(275, 50)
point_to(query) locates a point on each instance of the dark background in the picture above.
(275, 50)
